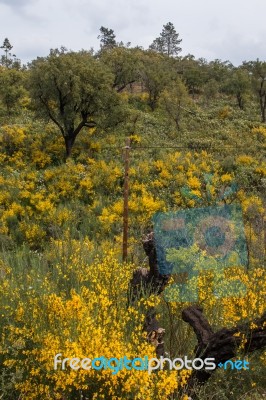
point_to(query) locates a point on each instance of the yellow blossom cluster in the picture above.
(92, 321)
(63, 288)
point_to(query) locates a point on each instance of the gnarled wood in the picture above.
(155, 333)
(144, 278)
(200, 325)
(223, 344)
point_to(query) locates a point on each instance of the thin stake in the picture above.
(126, 189)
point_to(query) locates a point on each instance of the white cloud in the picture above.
(225, 29)
(15, 3)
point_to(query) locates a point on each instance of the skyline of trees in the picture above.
(83, 89)
(166, 43)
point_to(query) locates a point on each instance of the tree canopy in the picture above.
(257, 70)
(107, 38)
(124, 64)
(9, 60)
(11, 88)
(73, 90)
(168, 42)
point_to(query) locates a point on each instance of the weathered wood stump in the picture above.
(221, 345)
(148, 278)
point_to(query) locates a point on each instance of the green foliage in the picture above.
(156, 73)
(257, 69)
(9, 60)
(167, 43)
(6, 47)
(219, 70)
(238, 84)
(11, 89)
(124, 64)
(175, 101)
(194, 73)
(73, 90)
(107, 38)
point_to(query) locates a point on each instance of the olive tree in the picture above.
(11, 88)
(175, 101)
(72, 89)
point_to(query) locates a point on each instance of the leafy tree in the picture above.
(194, 73)
(257, 70)
(216, 73)
(7, 48)
(174, 100)
(11, 88)
(156, 74)
(238, 85)
(219, 70)
(168, 42)
(124, 64)
(210, 90)
(107, 38)
(72, 89)
(9, 60)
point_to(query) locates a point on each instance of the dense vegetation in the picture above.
(196, 129)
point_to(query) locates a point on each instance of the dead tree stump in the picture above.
(221, 345)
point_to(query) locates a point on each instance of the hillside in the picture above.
(64, 286)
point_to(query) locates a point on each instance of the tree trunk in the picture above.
(262, 96)
(240, 101)
(263, 109)
(223, 344)
(154, 332)
(147, 279)
(69, 142)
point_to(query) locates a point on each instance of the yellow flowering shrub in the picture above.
(260, 131)
(56, 296)
(91, 322)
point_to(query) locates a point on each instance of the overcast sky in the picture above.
(233, 30)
